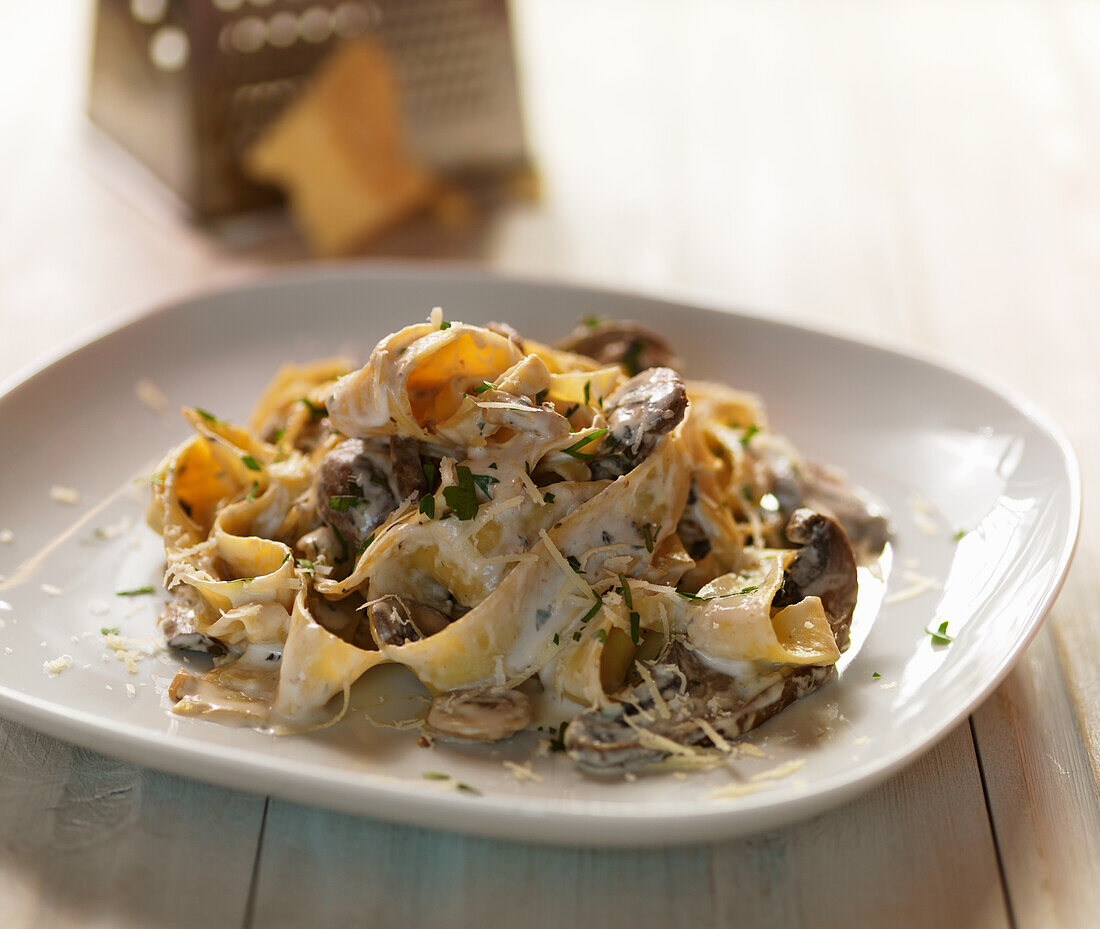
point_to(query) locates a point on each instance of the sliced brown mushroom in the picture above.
(179, 623)
(394, 620)
(639, 412)
(509, 333)
(408, 471)
(613, 739)
(621, 341)
(352, 491)
(485, 715)
(824, 567)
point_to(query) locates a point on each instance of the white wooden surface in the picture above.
(929, 171)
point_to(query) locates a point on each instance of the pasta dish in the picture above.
(514, 524)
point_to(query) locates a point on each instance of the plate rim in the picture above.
(498, 816)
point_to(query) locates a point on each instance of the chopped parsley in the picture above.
(541, 396)
(484, 482)
(940, 636)
(278, 437)
(305, 564)
(749, 590)
(444, 325)
(108, 630)
(427, 506)
(875, 675)
(255, 490)
(557, 639)
(750, 431)
(746, 492)
(548, 497)
(574, 450)
(343, 556)
(541, 616)
(649, 534)
(462, 497)
(600, 635)
(573, 409)
(429, 472)
(557, 744)
(596, 607)
(315, 412)
(379, 481)
(635, 619)
(435, 776)
(209, 417)
(592, 321)
(459, 785)
(342, 502)
(957, 537)
(251, 463)
(136, 592)
(694, 598)
(576, 636)
(482, 387)
(365, 545)
(574, 563)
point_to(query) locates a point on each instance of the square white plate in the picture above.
(944, 450)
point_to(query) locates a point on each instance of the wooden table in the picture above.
(926, 171)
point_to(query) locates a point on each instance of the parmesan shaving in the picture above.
(714, 735)
(532, 490)
(658, 701)
(521, 772)
(780, 771)
(67, 495)
(574, 579)
(732, 791)
(59, 664)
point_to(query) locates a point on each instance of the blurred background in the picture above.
(886, 166)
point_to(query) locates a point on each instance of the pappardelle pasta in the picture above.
(509, 521)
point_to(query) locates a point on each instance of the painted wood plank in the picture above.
(89, 841)
(871, 862)
(1044, 802)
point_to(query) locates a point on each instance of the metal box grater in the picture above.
(186, 85)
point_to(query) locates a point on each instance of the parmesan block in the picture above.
(339, 153)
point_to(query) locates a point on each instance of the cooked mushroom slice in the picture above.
(394, 620)
(179, 623)
(621, 341)
(408, 471)
(480, 715)
(509, 333)
(352, 492)
(693, 538)
(638, 413)
(824, 567)
(621, 738)
(827, 491)
(614, 739)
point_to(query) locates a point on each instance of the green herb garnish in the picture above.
(364, 546)
(541, 396)
(484, 482)
(587, 392)
(574, 450)
(635, 627)
(875, 675)
(467, 789)
(305, 564)
(209, 417)
(958, 535)
(557, 639)
(649, 534)
(600, 634)
(136, 592)
(557, 744)
(108, 630)
(749, 433)
(315, 412)
(435, 776)
(694, 598)
(940, 636)
(255, 490)
(429, 472)
(462, 497)
(592, 321)
(251, 463)
(574, 563)
(482, 387)
(427, 506)
(573, 409)
(594, 610)
(444, 325)
(576, 636)
(342, 502)
(548, 497)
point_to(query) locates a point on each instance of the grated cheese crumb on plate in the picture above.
(67, 495)
(890, 686)
(780, 771)
(732, 791)
(521, 772)
(151, 395)
(51, 590)
(6, 536)
(57, 665)
(131, 690)
(862, 740)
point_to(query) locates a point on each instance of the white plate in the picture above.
(904, 427)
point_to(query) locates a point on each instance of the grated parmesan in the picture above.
(6, 536)
(529, 485)
(59, 664)
(559, 559)
(784, 770)
(51, 590)
(732, 791)
(67, 495)
(521, 772)
(658, 700)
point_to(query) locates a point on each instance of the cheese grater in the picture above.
(187, 85)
